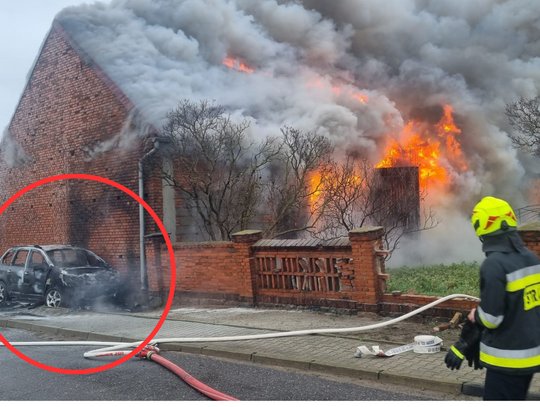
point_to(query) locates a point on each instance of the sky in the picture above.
(23, 27)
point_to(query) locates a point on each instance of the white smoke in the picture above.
(450, 242)
(132, 130)
(13, 154)
(404, 57)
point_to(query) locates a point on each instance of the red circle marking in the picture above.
(171, 256)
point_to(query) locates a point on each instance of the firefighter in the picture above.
(509, 309)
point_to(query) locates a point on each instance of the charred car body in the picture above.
(60, 274)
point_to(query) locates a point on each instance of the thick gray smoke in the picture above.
(356, 70)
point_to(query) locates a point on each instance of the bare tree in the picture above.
(295, 182)
(524, 116)
(342, 192)
(356, 194)
(230, 183)
(216, 168)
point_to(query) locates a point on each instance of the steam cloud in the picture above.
(406, 58)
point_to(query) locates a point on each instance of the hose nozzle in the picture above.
(148, 351)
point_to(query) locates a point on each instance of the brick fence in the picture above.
(346, 273)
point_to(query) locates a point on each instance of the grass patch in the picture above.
(438, 280)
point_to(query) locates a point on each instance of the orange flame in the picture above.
(339, 91)
(316, 189)
(450, 129)
(237, 64)
(425, 152)
(360, 97)
(339, 180)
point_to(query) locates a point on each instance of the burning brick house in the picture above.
(382, 95)
(69, 120)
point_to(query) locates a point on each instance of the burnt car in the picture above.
(61, 275)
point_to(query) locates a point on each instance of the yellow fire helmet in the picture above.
(489, 214)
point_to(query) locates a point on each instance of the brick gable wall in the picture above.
(66, 110)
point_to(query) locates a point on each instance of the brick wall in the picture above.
(65, 111)
(215, 269)
(405, 303)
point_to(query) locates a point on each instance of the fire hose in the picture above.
(150, 352)
(115, 348)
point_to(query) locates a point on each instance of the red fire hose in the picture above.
(150, 353)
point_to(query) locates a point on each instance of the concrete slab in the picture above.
(45, 329)
(451, 386)
(341, 370)
(302, 364)
(171, 347)
(190, 349)
(73, 333)
(237, 354)
(20, 325)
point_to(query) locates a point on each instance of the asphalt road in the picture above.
(146, 380)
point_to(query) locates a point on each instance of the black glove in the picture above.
(473, 356)
(467, 347)
(455, 355)
(471, 334)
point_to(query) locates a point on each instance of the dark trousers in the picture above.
(501, 386)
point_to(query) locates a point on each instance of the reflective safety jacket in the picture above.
(510, 306)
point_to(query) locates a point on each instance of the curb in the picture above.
(448, 386)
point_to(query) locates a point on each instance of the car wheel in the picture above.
(55, 298)
(3, 292)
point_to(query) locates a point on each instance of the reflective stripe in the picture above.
(521, 278)
(510, 358)
(457, 352)
(489, 321)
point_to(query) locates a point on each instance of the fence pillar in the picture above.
(369, 266)
(246, 265)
